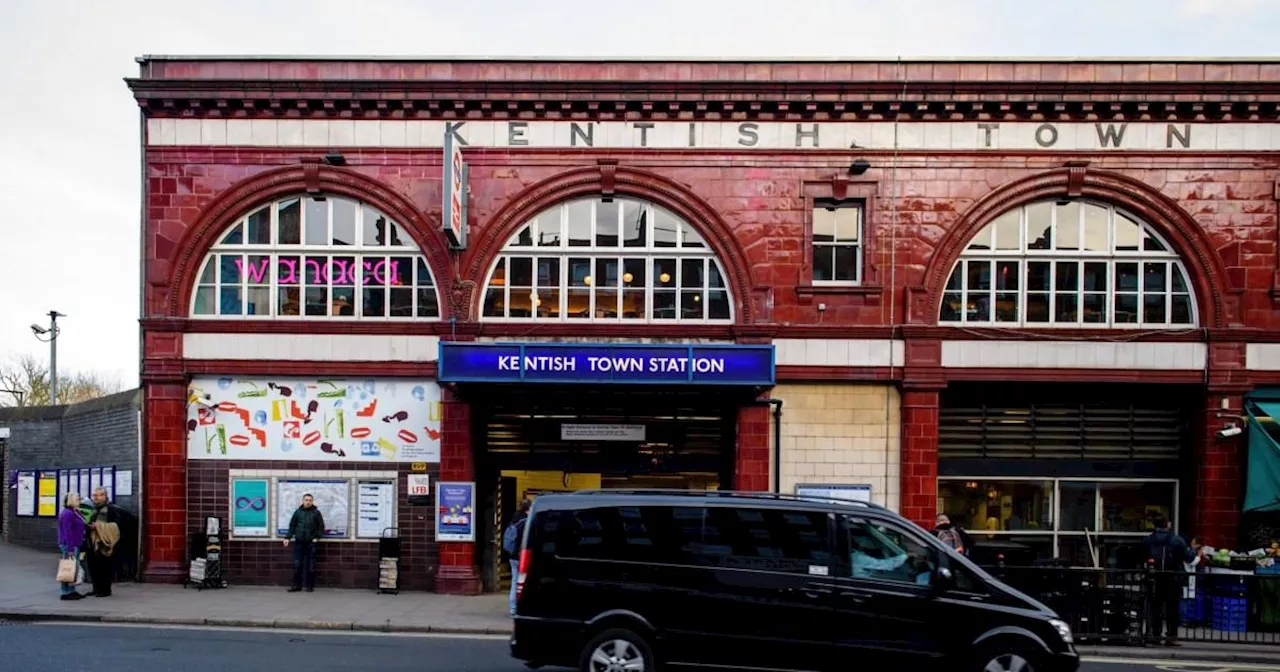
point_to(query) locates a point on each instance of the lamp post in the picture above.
(52, 332)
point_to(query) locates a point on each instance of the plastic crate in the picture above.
(1194, 609)
(1229, 614)
(1229, 623)
(1230, 586)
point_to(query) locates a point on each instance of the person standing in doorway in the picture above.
(306, 527)
(1167, 554)
(71, 533)
(104, 533)
(512, 543)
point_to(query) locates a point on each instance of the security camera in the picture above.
(38, 330)
(1230, 431)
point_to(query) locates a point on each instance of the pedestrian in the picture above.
(104, 533)
(1167, 555)
(950, 534)
(512, 543)
(306, 527)
(71, 533)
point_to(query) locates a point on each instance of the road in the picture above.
(39, 647)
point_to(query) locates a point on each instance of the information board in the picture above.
(26, 493)
(332, 497)
(249, 508)
(47, 506)
(455, 511)
(375, 508)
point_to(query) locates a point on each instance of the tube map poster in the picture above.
(314, 420)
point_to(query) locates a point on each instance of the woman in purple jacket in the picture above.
(71, 532)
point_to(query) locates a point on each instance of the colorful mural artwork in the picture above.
(325, 420)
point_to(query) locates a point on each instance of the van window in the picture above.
(881, 552)
(634, 533)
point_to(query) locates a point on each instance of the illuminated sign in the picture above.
(636, 363)
(453, 215)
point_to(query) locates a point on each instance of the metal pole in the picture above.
(53, 358)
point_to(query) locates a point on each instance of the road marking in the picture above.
(1185, 666)
(282, 631)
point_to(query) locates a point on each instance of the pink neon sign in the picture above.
(343, 272)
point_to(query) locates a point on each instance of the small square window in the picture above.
(837, 242)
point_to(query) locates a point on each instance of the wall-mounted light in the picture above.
(859, 166)
(335, 159)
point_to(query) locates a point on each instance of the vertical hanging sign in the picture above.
(453, 214)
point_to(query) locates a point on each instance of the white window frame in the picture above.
(649, 253)
(858, 243)
(273, 250)
(1023, 257)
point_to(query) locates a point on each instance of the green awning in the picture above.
(1262, 490)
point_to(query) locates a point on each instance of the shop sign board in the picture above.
(616, 363)
(418, 487)
(453, 213)
(455, 511)
(600, 432)
(859, 492)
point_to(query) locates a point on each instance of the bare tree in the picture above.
(24, 381)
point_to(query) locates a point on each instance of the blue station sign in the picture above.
(632, 363)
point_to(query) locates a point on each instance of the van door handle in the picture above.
(816, 592)
(855, 596)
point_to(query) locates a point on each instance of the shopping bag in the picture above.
(67, 570)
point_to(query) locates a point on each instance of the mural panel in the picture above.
(315, 420)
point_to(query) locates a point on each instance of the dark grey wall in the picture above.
(101, 432)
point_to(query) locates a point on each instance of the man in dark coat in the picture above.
(1167, 554)
(306, 527)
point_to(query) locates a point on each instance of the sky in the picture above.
(69, 179)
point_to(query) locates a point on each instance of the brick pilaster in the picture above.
(751, 459)
(920, 454)
(164, 482)
(458, 574)
(1219, 470)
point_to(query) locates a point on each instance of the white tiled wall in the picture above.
(838, 352)
(311, 347)
(841, 434)
(1262, 356)
(1072, 355)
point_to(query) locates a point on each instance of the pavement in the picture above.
(29, 593)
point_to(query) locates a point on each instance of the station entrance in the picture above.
(536, 439)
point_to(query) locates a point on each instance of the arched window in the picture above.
(618, 260)
(303, 257)
(1068, 263)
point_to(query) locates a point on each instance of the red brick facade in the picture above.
(1217, 208)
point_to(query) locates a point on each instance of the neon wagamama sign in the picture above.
(320, 271)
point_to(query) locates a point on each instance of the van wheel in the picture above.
(617, 650)
(1015, 659)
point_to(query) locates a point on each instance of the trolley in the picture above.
(389, 561)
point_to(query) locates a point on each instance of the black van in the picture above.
(614, 581)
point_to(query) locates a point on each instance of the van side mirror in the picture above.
(943, 579)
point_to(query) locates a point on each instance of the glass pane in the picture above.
(689, 237)
(520, 303)
(997, 505)
(1179, 280)
(1094, 308)
(344, 222)
(521, 271)
(1126, 309)
(374, 302)
(714, 279)
(499, 276)
(401, 302)
(1180, 312)
(290, 301)
(317, 301)
(1152, 244)
(1066, 307)
(258, 269)
(1007, 307)
(664, 304)
(548, 272)
(580, 272)
(982, 241)
(1009, 231)
(1127, 234)
(824, 225)
(579, 223)
(395, 239)
(1126, 276)
(606, 224)
(343, 271)
(1079, 506)
(578, 304)
(634, 273)
(955, 281)
(717, 305)
(423, 276)
(824, 263)
(428, 304)
(230, 268)
(1039, 231)
(606, 274)
(1128, 507)
(846, 263)
(289, 270)
(204, 301)
(1007, 275)
(664, 273)
(1095, 276)
(634, 305)
(317, 222)
(635, 224)
(373, 228)
(1155, 276)
(979, 274)
(524, 237)
(258, 228)
(849, 224)
(494, 306)
(979, 309)
(1038, 276)
(1153, 309)
(1095, 229)
(1068, 215)
(691, 307)
(1037, 307)
(290, 223)
(235, 236)
(666, 228)
(548, 303)
(1014, 550)
(607, 303)
(950, 307)
(315, 270)
(1067, 276)
(206, 274)
(550, 228)
(691, 273)
(344, 301)
(1113, 552)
